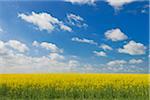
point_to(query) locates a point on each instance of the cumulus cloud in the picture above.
(48, 46)
(117, 63)
(20, 63)
(115, 35)
(76, 20)
(17, 45)
(3, 48)
(100, 53)
(133, 48)
(73, 63)
(82, 2)
(76, 39)
(105, 47)
(44, 21)
(13, 44)
(35, 43)
(14, 61)
(117, 4)
(135, 61)
(56, 56)
(121, 63)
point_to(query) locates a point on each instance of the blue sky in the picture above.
(74, 36)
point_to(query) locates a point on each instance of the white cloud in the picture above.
(13, 61)
(44, 21)
(115, 35)
(117, 4)
(19, 63)
(56, 56)
(117, 63)
(66, 28)
(81, 2)
(49, 46)
(6, 47)
(74, 17)
(105, 47)
(100, 53)
(35, 43)
(76, 39)
(76, 20)
(133, 48)
(17, 45)
(3, 48)
(135, 61)
(73, 63)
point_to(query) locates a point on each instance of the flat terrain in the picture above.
(74, 86)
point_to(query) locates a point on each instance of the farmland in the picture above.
(74, 86)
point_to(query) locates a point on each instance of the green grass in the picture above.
(28, 93)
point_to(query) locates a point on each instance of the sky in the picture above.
(81, 36)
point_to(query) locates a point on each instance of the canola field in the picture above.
(74, 86)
